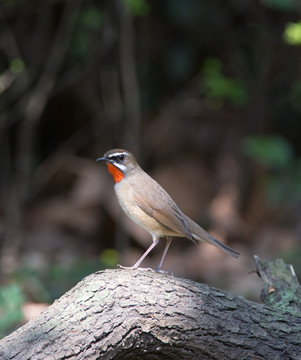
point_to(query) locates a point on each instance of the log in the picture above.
(135, 314)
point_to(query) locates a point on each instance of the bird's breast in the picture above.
(125, 194)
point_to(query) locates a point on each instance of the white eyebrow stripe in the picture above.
(117, 154)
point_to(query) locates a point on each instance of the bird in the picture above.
(150, 206)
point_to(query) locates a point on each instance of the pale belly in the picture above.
(129, 206)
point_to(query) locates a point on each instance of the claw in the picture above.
(134, 268)
(164, 272)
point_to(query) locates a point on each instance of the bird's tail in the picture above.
(223, 247)
(199, 234)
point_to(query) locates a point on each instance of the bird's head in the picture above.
(119, 163)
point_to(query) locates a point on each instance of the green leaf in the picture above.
(292, 33)
(272, 151)
(219, 88)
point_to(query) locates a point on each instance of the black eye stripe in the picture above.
(118, 158)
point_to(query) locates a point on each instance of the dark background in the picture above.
(207, 94)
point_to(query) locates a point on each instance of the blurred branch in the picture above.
(63, 155)
(40, 95)
(82, 69)
(8, 78)
(12, 52)
(14, 189)
(129, 80)
(10, 206)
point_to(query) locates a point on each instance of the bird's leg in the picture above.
(135, 266)
(168, 242)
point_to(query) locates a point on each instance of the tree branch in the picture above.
(118, 314)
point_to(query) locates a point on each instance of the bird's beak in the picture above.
(101, 159)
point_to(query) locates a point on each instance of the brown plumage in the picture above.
(150, 206)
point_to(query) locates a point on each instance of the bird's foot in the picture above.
(165, 272)
(158, 270)
(134, 268)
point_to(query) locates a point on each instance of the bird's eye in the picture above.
(120, 157)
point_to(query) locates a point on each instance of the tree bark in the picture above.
(122, 314)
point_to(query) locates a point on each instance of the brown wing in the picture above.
(173, 219)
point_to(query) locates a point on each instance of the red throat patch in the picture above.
(116, 173)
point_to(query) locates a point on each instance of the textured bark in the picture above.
(122, 314)
(281, 289)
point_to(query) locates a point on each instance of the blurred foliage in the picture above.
(280, 4)
(272, 151)
(292, 33)
(295, 96)
(49, 284)
(89, 23)
(17, 66)
(219, 88)
(138, 7)
(11, 300)
(183, 13)
(109, 258)
(283, 181)
(293, 256)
